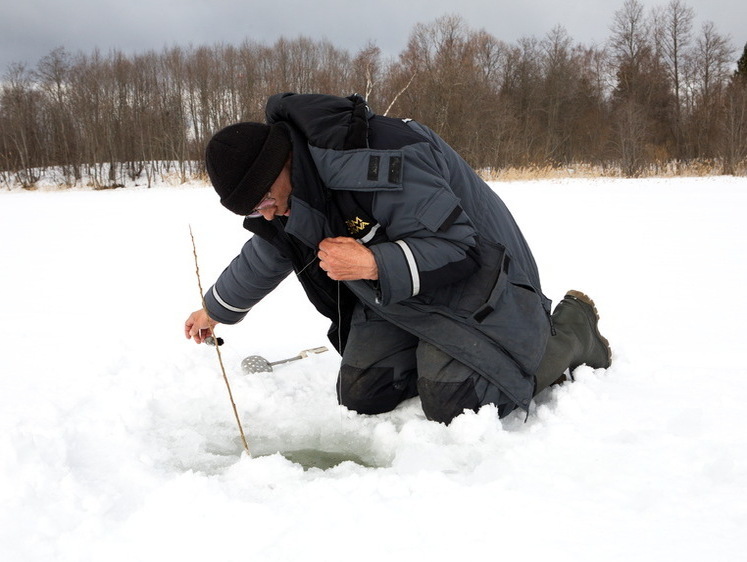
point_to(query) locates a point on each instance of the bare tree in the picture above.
(630, 125)
(708, 72)
(53, 77)
(734, 120)
(642, 97)
(629, 42)
(521, 92)
(560, 95)
(741, 72)
(641, 100)
(367, 75)
(21, 109)
(673, 36)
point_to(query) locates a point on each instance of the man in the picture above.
(430, 286)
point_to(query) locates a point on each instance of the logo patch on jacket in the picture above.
(356, 226)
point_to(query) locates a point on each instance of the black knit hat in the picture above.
(244, 160)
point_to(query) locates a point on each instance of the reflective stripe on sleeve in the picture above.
(412, 265)
(227, 306)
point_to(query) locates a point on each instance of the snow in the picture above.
(118, 443)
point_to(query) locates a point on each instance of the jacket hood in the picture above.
(323, 120)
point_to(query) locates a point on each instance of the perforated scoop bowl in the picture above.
(258, 364)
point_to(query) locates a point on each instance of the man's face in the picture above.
(277, 200)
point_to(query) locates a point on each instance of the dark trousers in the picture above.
(383, 365)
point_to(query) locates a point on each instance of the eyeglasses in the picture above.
(266, 203)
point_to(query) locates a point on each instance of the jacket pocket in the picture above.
(500, 302)
(516, 318)
(481, 291)
(440, 211)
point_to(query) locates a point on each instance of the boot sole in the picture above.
(586, 299)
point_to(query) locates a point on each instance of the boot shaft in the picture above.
(575, 341)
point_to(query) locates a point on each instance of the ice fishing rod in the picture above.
(219, 341)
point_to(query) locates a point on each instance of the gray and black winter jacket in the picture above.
(454, 268)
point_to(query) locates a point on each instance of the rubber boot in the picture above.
(576, 341)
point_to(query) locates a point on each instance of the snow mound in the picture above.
(118, 441)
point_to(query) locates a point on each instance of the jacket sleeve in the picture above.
(430, 240)
(251, 276)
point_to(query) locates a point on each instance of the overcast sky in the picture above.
(30, 29)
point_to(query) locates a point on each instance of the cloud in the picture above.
(32, 28)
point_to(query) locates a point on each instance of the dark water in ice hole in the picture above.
(316, 458)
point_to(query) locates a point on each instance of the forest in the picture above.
(662, 93)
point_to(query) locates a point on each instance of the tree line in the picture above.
(659, 92)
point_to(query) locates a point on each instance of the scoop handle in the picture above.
(301, 355)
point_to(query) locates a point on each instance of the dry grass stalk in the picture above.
(664, 169)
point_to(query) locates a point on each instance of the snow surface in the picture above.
(118, 443)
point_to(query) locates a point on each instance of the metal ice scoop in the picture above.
(258, 364)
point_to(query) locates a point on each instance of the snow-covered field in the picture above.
(118, 443)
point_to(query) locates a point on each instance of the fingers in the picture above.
(345, 259)
(330, 244)
(193, 331)
(198, 334)
(328, 254)
(202, 335)
(332, 248)
(188, 326)
(329, 269)
(199, 326)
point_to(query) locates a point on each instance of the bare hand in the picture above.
(344, 259)
(199, 326)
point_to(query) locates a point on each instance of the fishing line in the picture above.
(339, 331)
(339, 347)
(307, 265)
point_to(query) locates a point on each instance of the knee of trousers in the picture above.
(370, 391)
(446, 386)
(443, 401)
